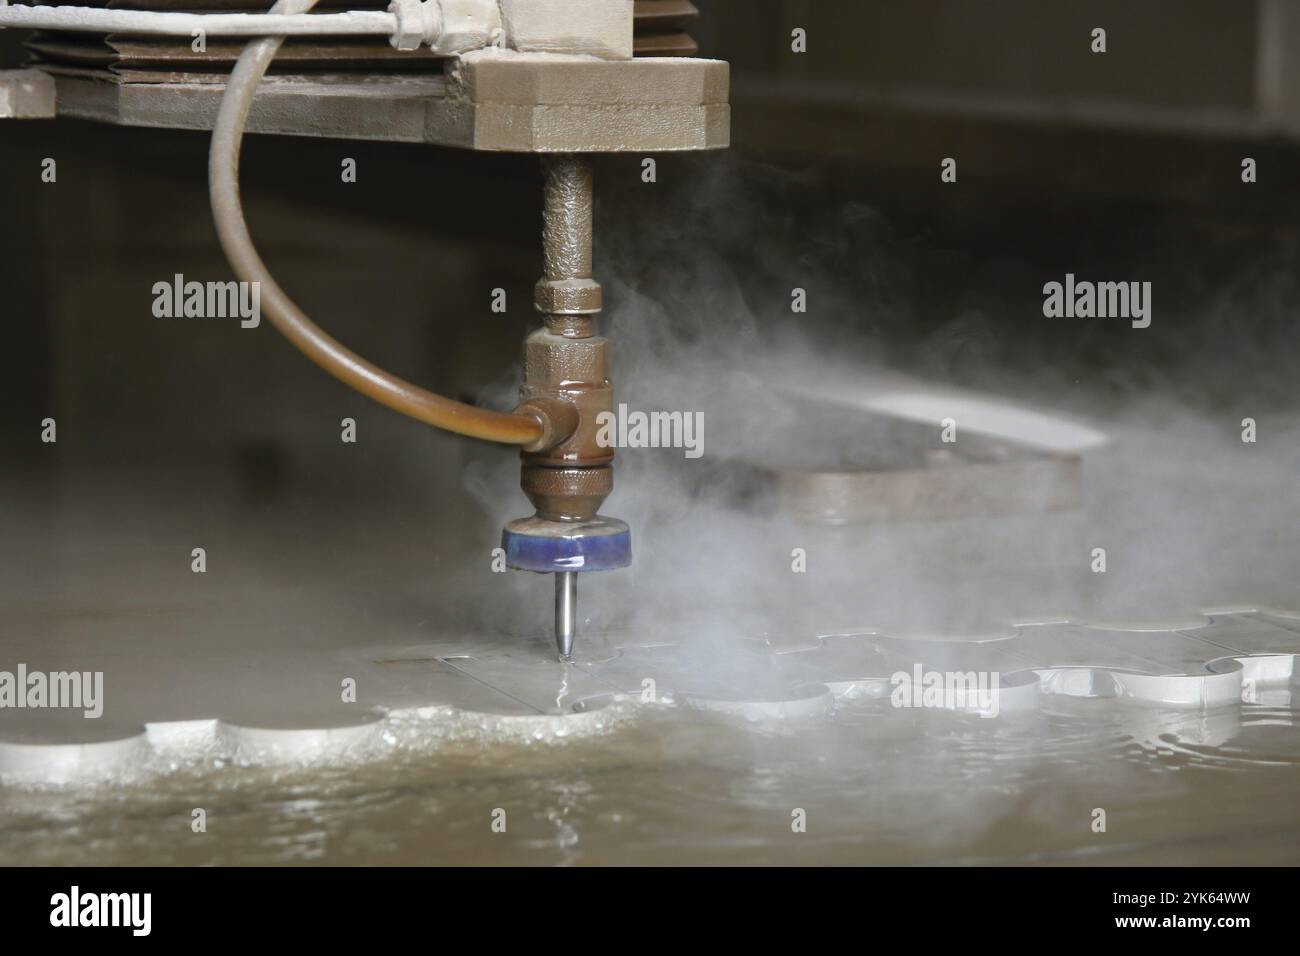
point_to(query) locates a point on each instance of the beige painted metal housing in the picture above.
(26, 94)
(490, 100)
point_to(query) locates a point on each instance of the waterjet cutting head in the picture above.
(568, 476)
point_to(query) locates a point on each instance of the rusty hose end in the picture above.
(558, 418)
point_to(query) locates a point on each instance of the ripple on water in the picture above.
(677, 784)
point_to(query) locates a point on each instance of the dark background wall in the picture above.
(832, 185)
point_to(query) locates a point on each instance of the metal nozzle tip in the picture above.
(566, 612)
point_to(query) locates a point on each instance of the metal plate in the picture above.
(492, 101)
(494, 686)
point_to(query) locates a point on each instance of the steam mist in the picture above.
(698, 276)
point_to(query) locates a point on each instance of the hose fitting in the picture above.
(446, 26)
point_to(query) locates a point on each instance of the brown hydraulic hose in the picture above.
(528, 427)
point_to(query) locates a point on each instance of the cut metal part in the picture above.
(1031, 483)
(836, 462)
(1176, 667)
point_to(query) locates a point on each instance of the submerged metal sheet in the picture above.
(496, 684)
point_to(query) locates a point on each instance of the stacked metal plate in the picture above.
(660, 31)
